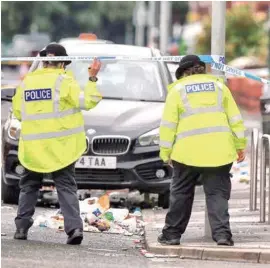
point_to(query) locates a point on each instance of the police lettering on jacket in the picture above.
(200, 87)
(38, 94)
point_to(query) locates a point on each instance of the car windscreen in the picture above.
(133, 80)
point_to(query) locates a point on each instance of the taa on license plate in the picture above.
(96, 162)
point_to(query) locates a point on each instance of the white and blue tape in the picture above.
(237, 72)
(217, 62)
(205, 58)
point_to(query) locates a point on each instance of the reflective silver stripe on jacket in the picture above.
(56, 105)
(51, 115)
(82, 100)
(57, 87)
(200, 131)
(239, 134)
(235, 119)
(191, 111)
(166, 144)
(171, 125)
(50, 135)
(95, 98)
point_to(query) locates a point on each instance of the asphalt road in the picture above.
(46, 248)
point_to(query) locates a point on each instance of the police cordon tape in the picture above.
(216, 61)
(205, 58)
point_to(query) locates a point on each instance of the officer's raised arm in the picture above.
(89, 97)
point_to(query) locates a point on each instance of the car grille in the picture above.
(110, 145)
(99, 175)
(148, 171)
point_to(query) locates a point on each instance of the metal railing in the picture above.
(265, 148)
(254, 169)
(260, 146)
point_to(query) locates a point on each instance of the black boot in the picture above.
(21, 234)
(75, 237)
(163, 240)
(225, 242)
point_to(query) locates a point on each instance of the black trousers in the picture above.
(217, 187)
(66, 187)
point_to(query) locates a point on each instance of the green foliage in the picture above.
(61, 19)
(182, 49)
(180, 9)
(244, 34)
(116, 10)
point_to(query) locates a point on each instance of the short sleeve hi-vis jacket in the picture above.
(48, 103)
(201, 123)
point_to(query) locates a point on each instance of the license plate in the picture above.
(96, 162)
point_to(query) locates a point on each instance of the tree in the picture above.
(62, 19)
(245, 34)
(180, 11)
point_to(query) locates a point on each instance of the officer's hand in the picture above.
(170, 163)
(94, 68)
(241, 156)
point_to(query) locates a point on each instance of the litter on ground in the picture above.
(98, 217)
(240, 172)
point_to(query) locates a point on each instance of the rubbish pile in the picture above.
(97, 216)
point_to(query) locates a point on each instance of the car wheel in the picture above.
(10, 194)
(164, 200)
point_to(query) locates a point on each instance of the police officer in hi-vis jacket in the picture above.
(201, 135)
(48, 103)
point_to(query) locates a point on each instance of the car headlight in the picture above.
(149, 138)
(14, 129)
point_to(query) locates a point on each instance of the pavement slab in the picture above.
(252, 238)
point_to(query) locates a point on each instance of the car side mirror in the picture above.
(7, 93)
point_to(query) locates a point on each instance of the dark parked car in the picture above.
(122, 131)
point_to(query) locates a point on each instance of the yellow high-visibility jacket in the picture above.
(201, 124)
(48, 103)
(70, 73)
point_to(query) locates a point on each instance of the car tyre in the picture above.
(164, 200)
(10, 194)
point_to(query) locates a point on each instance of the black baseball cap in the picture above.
(56, 50)
(187, 62)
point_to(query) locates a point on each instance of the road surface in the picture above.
(46, 248)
